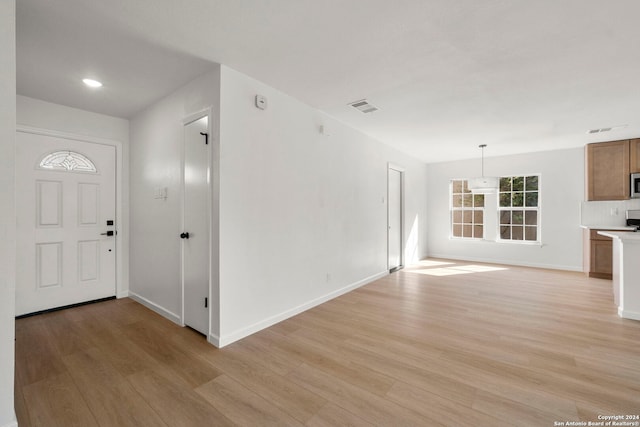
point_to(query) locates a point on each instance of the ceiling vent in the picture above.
(363, 106)
(606, 129)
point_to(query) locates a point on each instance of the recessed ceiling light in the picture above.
(92, 83)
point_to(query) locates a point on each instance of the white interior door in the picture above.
(395, 218)
(196, 235)
(65, 205)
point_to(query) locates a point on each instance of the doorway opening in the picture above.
(395, 213)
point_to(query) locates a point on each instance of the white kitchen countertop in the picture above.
(622, 235)
(608, 227)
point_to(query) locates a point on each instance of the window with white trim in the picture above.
(519, 208)
(467, 211)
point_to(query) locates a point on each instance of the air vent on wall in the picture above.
(364, 106)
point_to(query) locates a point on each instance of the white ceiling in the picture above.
(447, 75)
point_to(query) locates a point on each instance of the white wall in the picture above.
(46, 115)
(156, 162)
(561, 193)
(303, 216)
(7, 213)
(35, 113)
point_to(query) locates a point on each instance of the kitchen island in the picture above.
(626, 272)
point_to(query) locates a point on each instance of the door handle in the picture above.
(107, 233)
(184, 235)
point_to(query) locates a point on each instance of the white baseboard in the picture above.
(122, 294)
(12, 423)
(626, 314)
(269, 321)
(155, 307)
(508, 262)
(214, 339)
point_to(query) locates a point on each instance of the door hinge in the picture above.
(206, 302)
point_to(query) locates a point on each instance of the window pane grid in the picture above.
(467, 212)
(518, 206)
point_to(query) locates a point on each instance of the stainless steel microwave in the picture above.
(635, 185)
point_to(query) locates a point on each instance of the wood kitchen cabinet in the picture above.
(608, 169)
(601, 258)
(634, 155)
(598, 254)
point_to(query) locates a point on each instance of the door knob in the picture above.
(184, 235)
(107, 233)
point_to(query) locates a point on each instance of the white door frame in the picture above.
(189, 119)
(398, 168)
(122, 217)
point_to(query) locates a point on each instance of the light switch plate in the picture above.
(160, 193)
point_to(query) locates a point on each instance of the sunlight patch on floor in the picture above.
(426, 267)
(479, 268)
(446, 271)
(430, 263)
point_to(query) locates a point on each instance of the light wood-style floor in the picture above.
(445, 343)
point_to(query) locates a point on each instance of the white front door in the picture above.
(195, 236)
(394, 236)
(65, 207)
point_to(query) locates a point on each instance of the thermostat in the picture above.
(261, 102)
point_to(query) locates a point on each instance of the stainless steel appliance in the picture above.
(635, 185)
(633, 218)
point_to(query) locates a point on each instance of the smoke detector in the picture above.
(363, 106)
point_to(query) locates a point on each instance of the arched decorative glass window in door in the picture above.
(68, 161)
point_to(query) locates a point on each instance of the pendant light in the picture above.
(484, 184)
